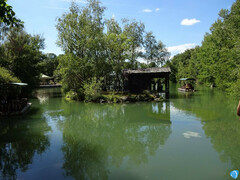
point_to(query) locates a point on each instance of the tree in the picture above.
(150, 45)
(116, 48)
(49, 64)
(80, 35)
(23, 55)
(6, 76)
(155, 52)
(7, 17)
(73, 72)
(162, 54)
(93, 52)
(217, 61)
(80, 32)
(134, 32)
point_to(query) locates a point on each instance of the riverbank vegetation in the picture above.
(217, 61)
(96, 50)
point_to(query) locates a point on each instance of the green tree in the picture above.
(80, 32)
(7, 17)
(49, 64)
(116, 47)
(23, 55)
(217, 61)
(134, 32)
(6, 76)
(155, 52)
(150, 45)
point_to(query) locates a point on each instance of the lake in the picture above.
(191, 136)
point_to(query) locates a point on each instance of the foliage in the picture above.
(7, 15)
(7, 18)
(49, 64)
(71, 95)
(155, 52)
(134, 32)
(21, 55)
(93, 52)
(92, 89)
(7, 77)
(80, 33)
(116, 47)
(73, 71)
(217, 61)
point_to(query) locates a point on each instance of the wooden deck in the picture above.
(50, 86)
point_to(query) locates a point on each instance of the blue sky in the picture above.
(179, 24)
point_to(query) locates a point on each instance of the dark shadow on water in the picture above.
(20, 140)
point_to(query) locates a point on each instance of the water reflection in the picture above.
(99, 137)
(93, 141)
(20, 141)
(220, 123)
(43, 95)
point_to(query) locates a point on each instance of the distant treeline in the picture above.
(217, 61)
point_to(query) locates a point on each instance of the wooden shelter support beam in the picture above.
(167, 86)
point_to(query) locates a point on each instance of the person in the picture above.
(238, 109)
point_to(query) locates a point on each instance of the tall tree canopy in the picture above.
(96, 48)
(155, 52)
(7, 17)
(21, 54)
(217, 61)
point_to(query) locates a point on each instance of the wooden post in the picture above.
(167, 86)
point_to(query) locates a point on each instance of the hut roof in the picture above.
(14, 84)
(43, 76)
(149, 70)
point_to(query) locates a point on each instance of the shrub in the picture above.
(146, 93)
(72, 95)
(7, 77)
(92, 89)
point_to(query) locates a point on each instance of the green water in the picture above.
(193, 136)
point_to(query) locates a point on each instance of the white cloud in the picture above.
(189, 22)
(190, 134)
(157, 9)
(76, 1)
(180, 48)
(147, 10)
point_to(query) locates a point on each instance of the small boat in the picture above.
(186, 85)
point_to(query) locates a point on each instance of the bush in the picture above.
(234, 88)
(7, 77)
(92, 90)
(71, 95)
(146, 93)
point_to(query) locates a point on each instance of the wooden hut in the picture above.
(12, 100)
(46, 80)
(135, 81)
